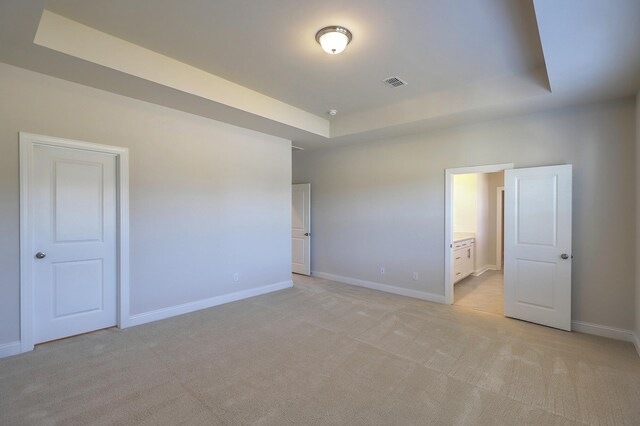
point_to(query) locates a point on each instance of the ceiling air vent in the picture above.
(394, 82)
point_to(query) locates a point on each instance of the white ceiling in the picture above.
(258, 65)
(270, 47)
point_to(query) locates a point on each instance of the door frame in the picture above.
(27, 143)
(448, 217)
(499, 192)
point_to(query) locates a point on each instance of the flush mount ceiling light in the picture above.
(333, 39)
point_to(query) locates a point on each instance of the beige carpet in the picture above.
(484, 293)
(326, 353)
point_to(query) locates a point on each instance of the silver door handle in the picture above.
(564, 256)
(306, 234)
(40, 255)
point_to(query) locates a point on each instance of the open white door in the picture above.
(537, 228)
(301, 229)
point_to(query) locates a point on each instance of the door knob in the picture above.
(564, 256)
(40, 255)
(306, 234)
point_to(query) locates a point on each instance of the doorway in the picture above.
(536, 242)
(74, 248)
(478, 282)
(469, 267)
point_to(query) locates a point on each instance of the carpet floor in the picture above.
(325, 353)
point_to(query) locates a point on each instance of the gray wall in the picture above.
(207, 199)
(381, 203)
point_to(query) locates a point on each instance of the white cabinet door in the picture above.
(301, 229)
(469, 255)
(72, 200)
(458, 268)
(463, 260)
(537, 238)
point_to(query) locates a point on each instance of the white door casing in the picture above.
(74, 211)
(537, 228)
(499, 208)
(448, 218)
(301, 229)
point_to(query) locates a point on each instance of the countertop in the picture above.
(460, 236)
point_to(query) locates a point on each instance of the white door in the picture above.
(537, 238)
(72, 202)
(301, 229)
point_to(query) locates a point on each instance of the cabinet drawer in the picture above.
(458, 272)
(463, 253)
(459, 256)
(467, 243)
(464, 243)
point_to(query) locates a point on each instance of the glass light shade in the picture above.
(333, 43)
(333, 39)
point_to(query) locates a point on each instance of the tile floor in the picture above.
(484, 293)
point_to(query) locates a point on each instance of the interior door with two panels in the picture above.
(537, 239)
(301, 229)
(72, 202)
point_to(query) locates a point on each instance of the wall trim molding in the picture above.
(416, 294)
(484, 269)
(606, 331)
(197, 305)
(9, 349)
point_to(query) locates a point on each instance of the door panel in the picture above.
(535, 283)
(301, 229)
(537, 233)
(537, 211)
(78, 188)
(70, 293)
(73, 206)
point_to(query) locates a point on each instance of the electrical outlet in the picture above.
(236, 277)
(382, 271)
(416, 276)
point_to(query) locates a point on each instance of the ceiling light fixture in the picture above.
(333, 39)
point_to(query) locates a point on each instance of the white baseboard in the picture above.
(416, 294)
(605, 331)
(484, 269)
(9, 349)
(185, 308)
